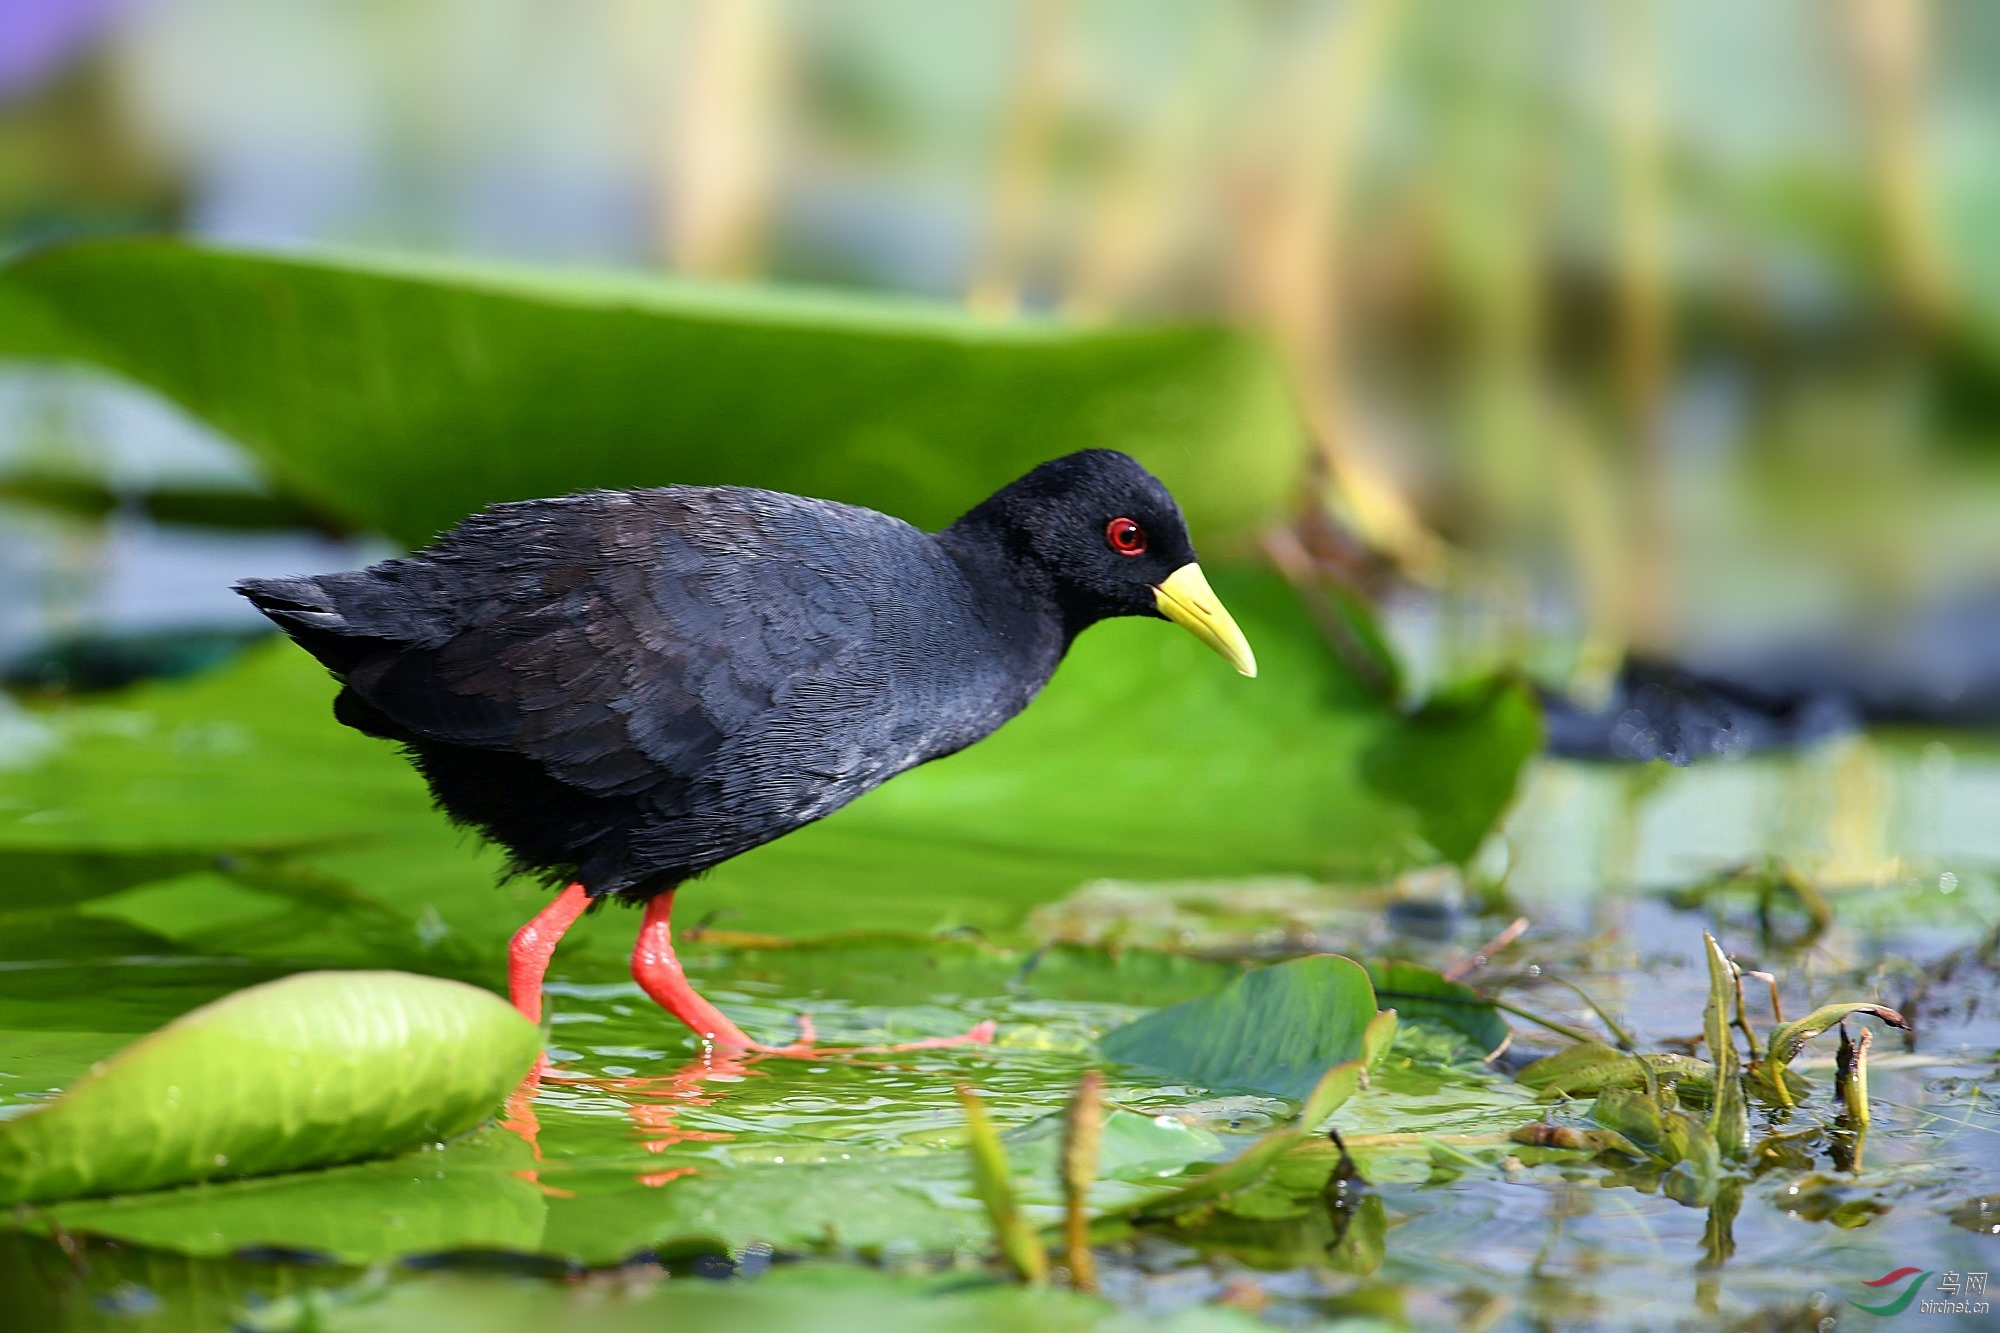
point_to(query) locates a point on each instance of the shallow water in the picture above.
(637, 1148)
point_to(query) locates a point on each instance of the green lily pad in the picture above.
(487, 1191)
(316, 1069)
(797, 1298)
(1278, 1029)
(470, 1194)
(1421, 994)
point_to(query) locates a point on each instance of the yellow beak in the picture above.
(1187, 600)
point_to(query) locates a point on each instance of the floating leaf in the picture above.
(1635, 1116)
(1583, 1068)
(1448, 1161)
(1422, 994)
(1278, 1029)
(313, 1070)
(1250, 1166)
(1667, 1134)
(812, 1296)
(1587, 1068)
(475, 1193)
(588, 1204)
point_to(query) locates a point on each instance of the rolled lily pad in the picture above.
(308, 1071)
(1788, 1039)
(1277, 1030)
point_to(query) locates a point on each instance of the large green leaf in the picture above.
(1453, 760)
(1278, 1029)
(316, 1069)
(403, 395)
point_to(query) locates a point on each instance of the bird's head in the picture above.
(1106, 539)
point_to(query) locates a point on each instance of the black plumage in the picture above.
(626, 688)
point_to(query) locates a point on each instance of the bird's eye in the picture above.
(1125, 537)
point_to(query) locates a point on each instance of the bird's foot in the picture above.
(659, 973)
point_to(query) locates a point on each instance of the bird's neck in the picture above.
(1017, 595)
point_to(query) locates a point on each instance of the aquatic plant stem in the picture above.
(1743, 1017)
(1481, 956)
(1889, 45)
(1289, 250)
(1850, 1078)
(1082, 1136)
(1777, 1005)
(1620, 1036)
(1563, 1029)
(722, 169)
(994, 1182)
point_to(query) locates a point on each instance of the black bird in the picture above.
(627, 688)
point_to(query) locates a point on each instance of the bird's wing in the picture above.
(622, 639)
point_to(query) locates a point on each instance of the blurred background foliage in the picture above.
(1607, 325)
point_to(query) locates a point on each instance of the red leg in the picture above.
(659, 974)
(534, 944)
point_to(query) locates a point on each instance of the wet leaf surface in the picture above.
(1277, 1029)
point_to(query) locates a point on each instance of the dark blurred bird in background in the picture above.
(627, 688)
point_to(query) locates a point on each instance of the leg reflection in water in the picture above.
(654, 1104)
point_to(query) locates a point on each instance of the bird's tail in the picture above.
(304, 608)
(307, 609)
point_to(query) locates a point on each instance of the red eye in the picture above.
(1125, 536)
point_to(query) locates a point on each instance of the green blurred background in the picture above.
(1604, 325)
